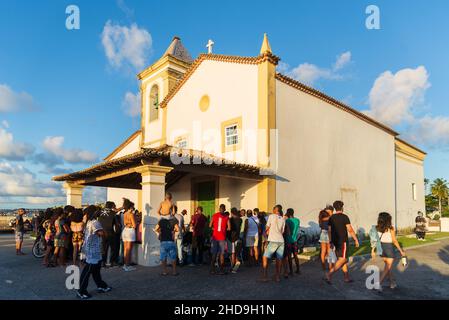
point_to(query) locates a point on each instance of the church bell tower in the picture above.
(156, 82)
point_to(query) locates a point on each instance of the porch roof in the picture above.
(162, 156)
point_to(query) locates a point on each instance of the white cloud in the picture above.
(310, 73)
(393, 96)
(48, 201)
(126, 10)
(394, 100)
(94, 195)
(430, 131)
(5, 124)
(126, 45)
(342, 60)
(54, 146)
(17, 181)
(11, 101)
(131, 104)
(11, 149)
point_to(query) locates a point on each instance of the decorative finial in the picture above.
(209, 46)
(265, 45)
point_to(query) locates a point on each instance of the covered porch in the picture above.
(152, 172)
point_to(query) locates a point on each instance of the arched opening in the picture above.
(154, 102)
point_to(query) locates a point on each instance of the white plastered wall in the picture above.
(409, 171)
(232, 90)
(327, 154)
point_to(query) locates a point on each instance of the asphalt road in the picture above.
(426, 277)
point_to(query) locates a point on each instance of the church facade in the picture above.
(231, 129)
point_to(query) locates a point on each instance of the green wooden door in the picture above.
(206, 197)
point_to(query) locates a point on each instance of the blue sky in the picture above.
(63, 96)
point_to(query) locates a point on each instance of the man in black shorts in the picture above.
(339, 227)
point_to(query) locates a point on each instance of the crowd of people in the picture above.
(104, 237)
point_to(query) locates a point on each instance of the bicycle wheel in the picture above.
(39, 249)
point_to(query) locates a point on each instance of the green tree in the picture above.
(426, 185)
(440, 190)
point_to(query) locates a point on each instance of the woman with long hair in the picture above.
(50, 231)
(388, 241)
(323, 220)
(77, 228)
(61, 236)
(128, 233)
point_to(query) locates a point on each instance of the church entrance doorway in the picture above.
(206, 196)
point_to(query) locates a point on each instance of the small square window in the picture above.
(232, 137)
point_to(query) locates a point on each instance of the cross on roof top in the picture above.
(209, 46)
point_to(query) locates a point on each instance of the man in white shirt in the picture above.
(275, 230)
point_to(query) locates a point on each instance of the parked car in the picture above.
(26, 224)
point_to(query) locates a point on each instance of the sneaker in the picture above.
(393, 285)
(104, 290)
(83, 296)
(108, 265)
(128, 268)
(236, 267)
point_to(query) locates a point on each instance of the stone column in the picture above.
(74, 194)
(153, 193)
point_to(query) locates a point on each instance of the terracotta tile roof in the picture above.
(302, 87)
(216, 57)
(163, 152)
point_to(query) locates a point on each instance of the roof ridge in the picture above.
(314, 92)
(216, 57)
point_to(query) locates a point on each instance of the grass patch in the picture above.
(405, 242)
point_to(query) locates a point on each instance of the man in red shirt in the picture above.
(198, 223)
(219, 224)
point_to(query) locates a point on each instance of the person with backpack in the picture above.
(252, 237)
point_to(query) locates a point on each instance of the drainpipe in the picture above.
(395, 192)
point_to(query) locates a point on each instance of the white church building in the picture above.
(231, 129)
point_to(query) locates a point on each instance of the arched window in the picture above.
(154, 102)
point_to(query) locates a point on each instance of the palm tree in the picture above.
(440, 190)
(426, 184)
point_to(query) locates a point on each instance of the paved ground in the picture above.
(427, 277)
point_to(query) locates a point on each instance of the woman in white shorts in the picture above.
(128, 233)
(323, 220)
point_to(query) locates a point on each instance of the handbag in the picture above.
(332, 257)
